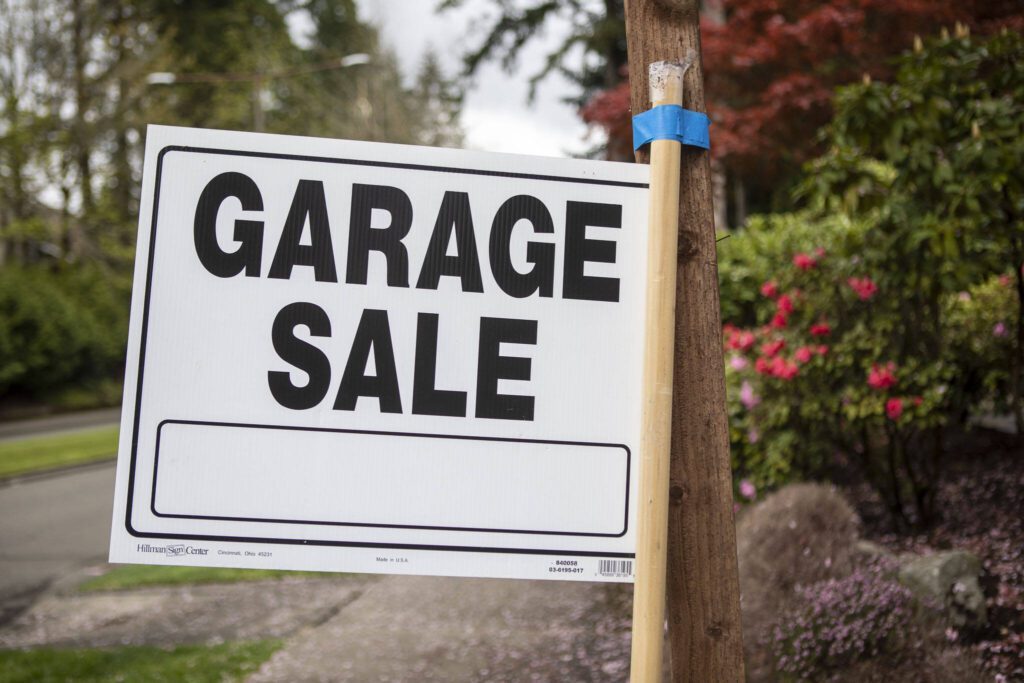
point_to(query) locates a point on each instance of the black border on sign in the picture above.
(145, 326)
(156, 469)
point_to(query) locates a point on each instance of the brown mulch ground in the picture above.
(981, 509)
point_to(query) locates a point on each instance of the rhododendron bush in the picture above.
(825, 367)
(818, 368)
(823, 370)
(935, 157)
(891, 307)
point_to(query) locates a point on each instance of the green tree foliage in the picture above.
(441, 96)
(59, 329)
(219, 37)
(591, 55)
(79, 82)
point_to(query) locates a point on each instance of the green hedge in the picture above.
(60, 327)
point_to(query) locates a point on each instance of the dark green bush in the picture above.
(59, 327)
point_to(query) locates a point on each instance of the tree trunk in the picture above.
(703, 582)
(81, 143)
(122, 148)
(739, 200)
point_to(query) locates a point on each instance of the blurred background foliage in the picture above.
(771, 69)
(79, 82)
(878, 144)
(867, 157)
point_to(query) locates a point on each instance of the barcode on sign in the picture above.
(615, 568)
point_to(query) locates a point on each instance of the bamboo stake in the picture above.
(666, 87)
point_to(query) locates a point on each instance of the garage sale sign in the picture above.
(363, 357)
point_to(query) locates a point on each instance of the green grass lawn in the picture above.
(125, 577)
(190, 663)
(36, 454)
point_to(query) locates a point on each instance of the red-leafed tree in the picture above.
(771, 67)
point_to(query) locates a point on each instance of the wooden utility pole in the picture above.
(705, 638)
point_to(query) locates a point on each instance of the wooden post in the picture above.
(705, 638)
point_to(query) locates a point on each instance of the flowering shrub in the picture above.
(824, 364)
(934, 156)
(852, 333)
(841, 621)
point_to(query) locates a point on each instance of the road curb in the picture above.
(58, 423)
(28, 477)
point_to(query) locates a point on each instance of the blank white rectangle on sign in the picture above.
(390, 480)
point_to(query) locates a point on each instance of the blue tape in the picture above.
(671, 122)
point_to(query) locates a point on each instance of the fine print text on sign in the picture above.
(363, 357)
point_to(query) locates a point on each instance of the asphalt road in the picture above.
(52, 525)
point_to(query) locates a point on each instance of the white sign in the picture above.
(362, 357)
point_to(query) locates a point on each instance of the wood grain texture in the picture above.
(705, 637)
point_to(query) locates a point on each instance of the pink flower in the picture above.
(737, 339)
(804, 261)
(999, 330)
(783, 307)
(964, 296)
(894, 408)
(783, 369)
(882, 377)
(753, 436)
(738, 362)
(821, 329)
(1004, 280)
(762, 366)
(804, 354)
(788, 371)
(747, 396)
(821, 350)
(918, 400)
(770, 289)
(863, 286)
(771, 349)
(748, 490)
(728, 332)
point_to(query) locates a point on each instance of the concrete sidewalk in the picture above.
(359, 628)
(174, 615)
(408, 629)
